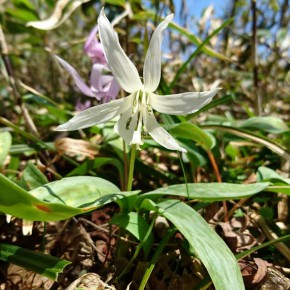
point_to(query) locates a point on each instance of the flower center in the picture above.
(141, 102)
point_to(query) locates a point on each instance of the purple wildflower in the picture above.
(103, 86)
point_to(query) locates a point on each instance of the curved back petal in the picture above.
(123, 69)
(152, 65)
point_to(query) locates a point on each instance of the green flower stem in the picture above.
(184, 174)
(155, 257)
(131, 168)
(125, 157)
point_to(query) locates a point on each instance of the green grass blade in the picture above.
(197, 51)
(144, 15)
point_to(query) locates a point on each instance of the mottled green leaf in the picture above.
(208, 191)
(61, 199)
(206, 243)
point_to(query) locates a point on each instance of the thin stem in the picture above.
(219, 179)
(155, 257)
(125, 165)
(184, 174)
(131, 168)
(214, 165)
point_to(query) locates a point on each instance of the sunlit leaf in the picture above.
(61, 199)
(209, 192)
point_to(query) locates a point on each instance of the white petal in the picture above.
(78, 80)
(152, 65)
(121, 66)
(8, 218)
(27, 227)
(159, 134)
(137, 138)
(97, 115)
(181, 104)
(126, 125)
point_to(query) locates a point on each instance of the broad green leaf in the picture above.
(61, 199)
(86, 192)
(136, 225)
(206, 243)
(193, 132)
(78, 191)
(33, 177)
(279, 183)
(5, 144)
(253, 137)
(268, 124)
(16, 201)
(45, 265)
(268, 174)
(208, 192)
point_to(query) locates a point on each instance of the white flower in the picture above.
(136, 110)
